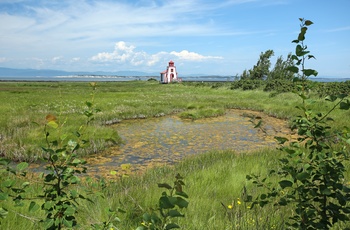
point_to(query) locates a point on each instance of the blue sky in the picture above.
(221, 37)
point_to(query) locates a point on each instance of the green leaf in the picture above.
(67, 223)
(164, 185)
(76, 162)
(179, 177)
(301, 37)
(74, 193)
(69, 211)
(48, 223)
(63, 137)
(172, 226)
(181, 203)
(331, 98)
(165, 203)
(74, 180)
(52, 124)
(3, 196)
(4, 161)
(33, 207)
(77, 134)
(303, 176)
(88, 104)
(175, 213)
(285, 183)
(88, 113)
(300, 51)
(281, 140)
(183, 194)
(22, 166)
(72, 144)
(47, 205)
(293, 69)
(146, 217)
(258, 125)
(309, 72)
(54, 157)
(8, 183)
(25, 184)
(326, 191)
(344, 105)
(308, 23)
(282, 202)
(3, 213)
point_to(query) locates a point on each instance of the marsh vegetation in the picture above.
(303, 184)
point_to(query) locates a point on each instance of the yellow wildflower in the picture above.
(230, 206)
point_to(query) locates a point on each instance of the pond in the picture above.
(166, 140)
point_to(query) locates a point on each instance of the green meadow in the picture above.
(214, 181)
(25, 105)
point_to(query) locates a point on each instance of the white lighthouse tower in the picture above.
(169, 74)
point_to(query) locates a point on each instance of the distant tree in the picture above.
(245, 75)
(262, 68)
(280, 71)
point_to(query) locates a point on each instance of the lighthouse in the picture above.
(170, 74)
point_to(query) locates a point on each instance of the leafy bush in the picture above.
(167, 211)
(280, 86)
(59, 197)
(247, 84)
(333, 88)
(312, 172)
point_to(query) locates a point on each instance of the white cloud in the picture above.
(346, 28)
(76, 59)
(124, 53)
(56, 59)
(191, 56)
(97, 20)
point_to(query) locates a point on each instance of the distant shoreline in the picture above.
(107, 78)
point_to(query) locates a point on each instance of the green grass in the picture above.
(212, 178)
(26, 102)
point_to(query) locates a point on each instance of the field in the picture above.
(26, 104)
(214, 180)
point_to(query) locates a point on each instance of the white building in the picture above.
(170, 74)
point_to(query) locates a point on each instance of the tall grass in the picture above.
(26, 102)
(214, 180)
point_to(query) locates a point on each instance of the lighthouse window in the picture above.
(172, 70)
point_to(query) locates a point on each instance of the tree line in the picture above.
(261, 70)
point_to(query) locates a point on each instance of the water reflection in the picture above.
(167, 140)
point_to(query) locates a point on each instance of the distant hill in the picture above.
(9, 72)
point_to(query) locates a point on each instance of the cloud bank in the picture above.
(127, 53)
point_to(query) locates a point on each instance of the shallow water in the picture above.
(167, 140)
